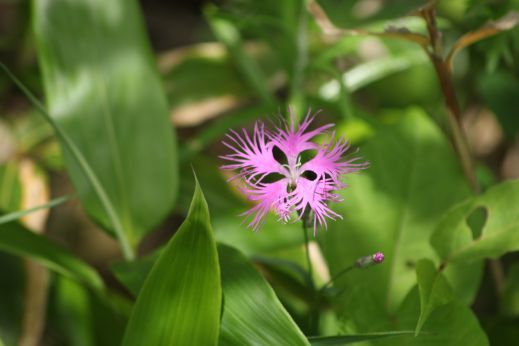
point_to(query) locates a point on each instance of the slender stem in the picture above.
(313, 316)
(335, 277)
(451, 101)
(307, 253)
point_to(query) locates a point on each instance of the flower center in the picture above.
(293, 173)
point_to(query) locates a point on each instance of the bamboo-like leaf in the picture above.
(180, 301)
(104, 92)
(17, 240)
(252, 313)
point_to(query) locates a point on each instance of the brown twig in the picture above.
(449, 94)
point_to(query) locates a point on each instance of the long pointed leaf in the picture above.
(180, 301)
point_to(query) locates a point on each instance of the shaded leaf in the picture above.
(433, 288)
(453, 238)
(181, 297)
(252, 313)
(17, 240)
(106, 96)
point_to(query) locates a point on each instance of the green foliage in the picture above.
(183, 308)
(109, 127)
(103, 90)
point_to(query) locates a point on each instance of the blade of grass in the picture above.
(21, 213)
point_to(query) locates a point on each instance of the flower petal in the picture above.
(293, 142)
(252, 156)
(269, 196)
(314, 195)
(328, 162)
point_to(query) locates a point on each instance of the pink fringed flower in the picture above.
(277, 178)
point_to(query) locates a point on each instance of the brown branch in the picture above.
(505, 23)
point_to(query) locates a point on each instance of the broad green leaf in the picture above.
(452, 324)
(252, 314)
(17, 240)
(104, 93)
(181, 298)
(21, 213)
(393, 207)
(454, 240)
(353, 338)
(433, 288)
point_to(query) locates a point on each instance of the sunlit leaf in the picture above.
(454, 239)
(181, 298)
(103, 90)
(17, 240)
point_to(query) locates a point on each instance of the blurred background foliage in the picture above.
(138, 95)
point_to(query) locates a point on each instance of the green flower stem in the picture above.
(336, 276)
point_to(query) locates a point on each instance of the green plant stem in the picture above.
(308, 260)
(335, 277)
(313, 316)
